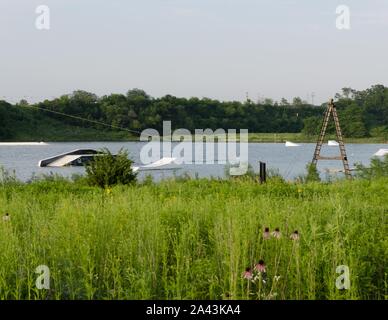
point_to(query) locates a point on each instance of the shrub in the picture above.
(8, 178)
(378, 168)
(107, 170)
(48, 177)
(381, 131)
(312, 175)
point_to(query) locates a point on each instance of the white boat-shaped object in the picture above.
(6, 144)
(381, 153)
(332, 143)
(291, 144)
(80, 157)
(162, 164)
(73, 158)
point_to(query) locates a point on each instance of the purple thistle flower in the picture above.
(260, 266)
(295, 235)
(276, 234)
(266, 234)
(247, 274)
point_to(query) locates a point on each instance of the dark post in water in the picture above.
(263, 172)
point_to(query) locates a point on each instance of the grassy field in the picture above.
(194, 239)
(300, 137)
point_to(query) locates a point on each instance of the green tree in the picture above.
(107, 170)
(297, 102)
(284, 102)
(352, 122)
(311, 126)
(381, 131)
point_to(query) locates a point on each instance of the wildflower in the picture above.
(248, 274)
(295, 235)
(276, 233)
(260, 266)
(300, 190)
(276, 278)
(6, 217)
(266, 234)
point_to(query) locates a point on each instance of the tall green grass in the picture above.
(193, 240)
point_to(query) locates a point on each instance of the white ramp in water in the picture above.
(158, 164)
(292, 144)
(332, 143)
(381, 153)
(6, 144)
(64, 161)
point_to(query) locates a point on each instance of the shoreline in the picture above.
(254, 139)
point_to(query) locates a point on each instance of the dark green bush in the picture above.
(107, 170)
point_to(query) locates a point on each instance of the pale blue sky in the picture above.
(214, 48)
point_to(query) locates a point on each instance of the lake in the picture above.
(290, 162)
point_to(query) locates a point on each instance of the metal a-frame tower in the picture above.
(331, 109)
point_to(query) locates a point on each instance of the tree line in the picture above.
(362, 113)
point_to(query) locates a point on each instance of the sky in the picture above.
(221, 49)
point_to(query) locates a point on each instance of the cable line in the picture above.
(84, 119)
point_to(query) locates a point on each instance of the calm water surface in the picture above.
(290, 162)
